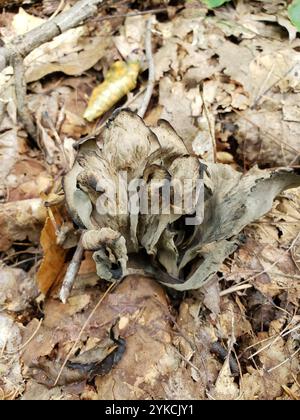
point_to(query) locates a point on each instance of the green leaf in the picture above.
(215, 3)
(294, 13)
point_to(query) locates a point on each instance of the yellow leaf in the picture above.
(120, 80)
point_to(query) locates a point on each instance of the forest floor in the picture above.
(228, 81)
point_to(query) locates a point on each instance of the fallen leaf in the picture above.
(11, 379)
(144, 326)
(54, 255)
(225, 388)
(18, 289)
(20, 220)
(24, 22)
(72, 53)
(278, 369)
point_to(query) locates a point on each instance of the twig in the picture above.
(283, 334)
(284, 362)
(111, 287)
(24, 44)
(211, 133)
(236, 288)
(151, 79)
(58, 10)
(183, 358)
(17, 264)
(58, 140)
(261, 95)
(21, 46)
(222, 353)
(279, 142)
(21, 91)
(267, 270)
(290, 393)
(71, 273)
(28, 341)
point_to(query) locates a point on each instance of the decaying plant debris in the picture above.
(221, 91)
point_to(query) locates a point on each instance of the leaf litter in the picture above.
(234, 333)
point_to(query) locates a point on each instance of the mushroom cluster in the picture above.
(182, 246)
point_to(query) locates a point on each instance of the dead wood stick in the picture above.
(71, 273)
(21, 46)
(21, 91)
(79, 13)
(151, 79)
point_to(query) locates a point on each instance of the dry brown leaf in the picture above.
(28, 179)
(180, 107)
(65, 105)
(194, 340)
(72, 53)
(225, 388)
(269, 267)
(232, 321)
(20, 220)
(88, 265)
(131, 37)
(278, 369)
(24, 22)
(268, 137)
(54, 255)
(141, 309)
(38, 392)
(18, 289)
(149, 357)
(12, 141)
(11, 378)
(212, 296)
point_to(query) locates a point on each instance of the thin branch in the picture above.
(71, 273)
(151, 79)
(27, 341)
(284, 362)
(280, 79)
(21, 91)
(21, 46)
(58, 141)
(79, 13)
(211, 131)
(283, 334)
(236, 288)
(58, 10)
(279, 142)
